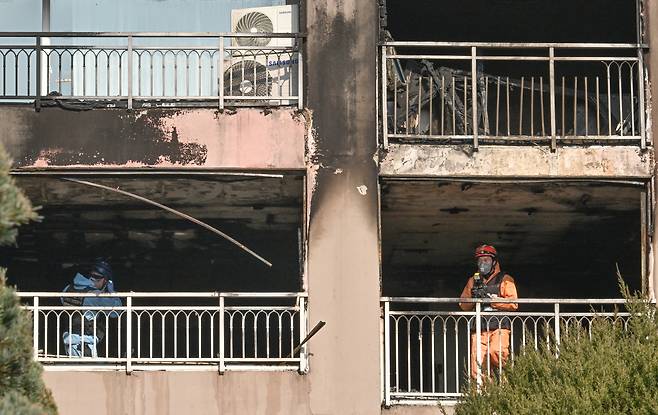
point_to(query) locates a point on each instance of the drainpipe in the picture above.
(45, 27)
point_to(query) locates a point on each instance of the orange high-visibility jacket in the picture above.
(507, 290)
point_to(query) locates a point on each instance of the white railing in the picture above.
(170, 331)
(166, 69)
(513, 92)
(427, 342)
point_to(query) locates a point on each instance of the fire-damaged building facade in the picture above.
(287, 195)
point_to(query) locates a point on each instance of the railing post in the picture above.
(474, 97)
(37, 98)
(220, 72)
(387, 354)
(384, 100)
(642, 110)
(129, 334)
(130, 72)
(478, 345)
(35, 327)
(302, 334)
(643, 241)
(222, 367)
(557, 328)
(551, 78)
(300, 75)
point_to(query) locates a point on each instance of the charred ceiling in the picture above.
(604, 21)
(152, 249)
(556, 239)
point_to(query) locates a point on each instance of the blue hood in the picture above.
(82, 283)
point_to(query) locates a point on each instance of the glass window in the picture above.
(20, 15)
(148, 15)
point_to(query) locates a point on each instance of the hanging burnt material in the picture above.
(426, 99)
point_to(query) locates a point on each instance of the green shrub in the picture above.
(15, 208)
(22, 390)
(19, 373)
(616, 372)
(16, 404)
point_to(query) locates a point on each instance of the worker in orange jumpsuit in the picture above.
(490, 282)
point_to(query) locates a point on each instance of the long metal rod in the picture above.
(516, 45)
(641, 91)
(150, 34)
(503, 300)
(478, 347)
(308, 337)
(35, 327)
(474, 99)
(514, 58)
(387, 355)
(164, 294)
(130, 73)
(117, 47)
(518, 180)
(551, 78)
(109, 172)
(129, 330)
(384, 102)
(643, 241)
(222, 333)
(303, 326)
(39, 92)
(300, 76)
(220, 72)
(167, 366)
(174, 211)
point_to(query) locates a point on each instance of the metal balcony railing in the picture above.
(513, 93)
(428, 353)
(170, 331)
(167, 69)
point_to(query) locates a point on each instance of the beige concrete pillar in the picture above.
(343, 261)
(651, 37)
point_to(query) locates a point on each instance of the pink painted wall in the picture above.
(164, 138)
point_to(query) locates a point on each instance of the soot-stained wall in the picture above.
(163, 138)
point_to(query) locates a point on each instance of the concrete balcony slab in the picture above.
(603, 162)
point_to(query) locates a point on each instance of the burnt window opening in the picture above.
(558, 240)
(604, 21)
(154, 250)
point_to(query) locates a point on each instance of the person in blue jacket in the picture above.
(86, 328)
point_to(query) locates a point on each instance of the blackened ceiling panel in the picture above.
(513, 20)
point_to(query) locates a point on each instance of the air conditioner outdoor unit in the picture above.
(261, 68)
(274, 19)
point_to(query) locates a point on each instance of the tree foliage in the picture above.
(616, 372)
(15, 208)
(22, 390)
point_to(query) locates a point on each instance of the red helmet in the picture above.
(485, 250)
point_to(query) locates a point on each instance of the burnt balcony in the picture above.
(428, 349)
(200, 331)
(513, 93)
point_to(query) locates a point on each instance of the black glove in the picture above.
(479, 292)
